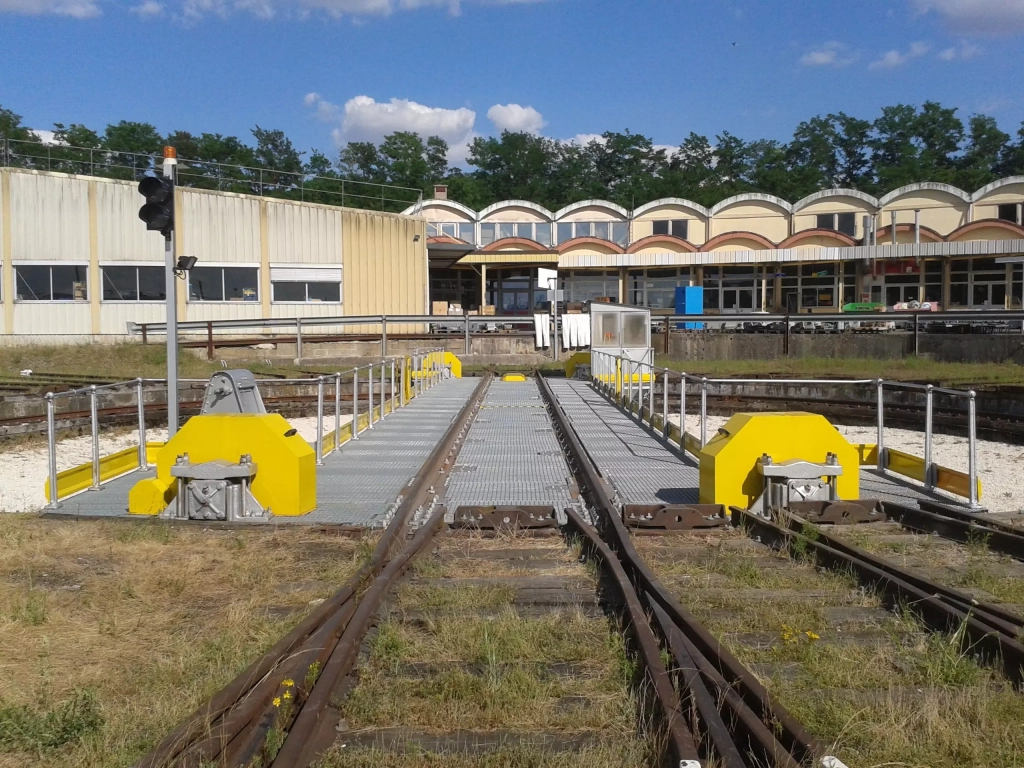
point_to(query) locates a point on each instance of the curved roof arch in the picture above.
(1009, 226)
(824, 194)
(725, 237)
(646, 242)
(523, 243)
(924, 186)
(592, 204)
(515, 204)
(751, 197)
(576, 242)
(883, 236)
(990, 188)
(807, 234)
(681, 202)
(412, 210)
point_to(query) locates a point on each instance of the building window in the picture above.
(674, 227)
(224, 284)
(460, 230)
(933, 281)
(1008, 212)
(58, 282)
(588, 286)
(543, 233)
(304, 292)
(134, 284)
(614, 231)
(845, 223)
(656, 288)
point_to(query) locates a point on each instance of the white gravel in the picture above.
(23, 472)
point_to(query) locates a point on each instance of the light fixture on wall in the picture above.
(415, 238)
(185, 263)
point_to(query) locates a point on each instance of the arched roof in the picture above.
(681, 202)
(714, 242)
(515, 204)
(677, 242)
(523, 243)
(751, 197)
(924, 186)
(837, 192)
(882, 234)
(576, 242)
(592, 204)
(412, 210)
(990, 188)
(807, 234)
(1009, 226)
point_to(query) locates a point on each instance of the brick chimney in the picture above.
(440, 191)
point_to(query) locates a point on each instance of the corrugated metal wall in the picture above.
(303, 234)
(218, 226)
(49, 217)
(61, 318)
(117, 206)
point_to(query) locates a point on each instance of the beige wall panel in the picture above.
(738, 243)
(223, 310)
(71, 318)
(820, 241)
(761, 218)
(592, 213)
(50, 218)
(987, 233)
(515, 213)
(1011, 193)
(837, 204)
(220, 227)
(696, 230)
(114, 317)
(303, 234)
(939, 211)
(662, 247)
(120, 234)
(591, 248)
(439, 213)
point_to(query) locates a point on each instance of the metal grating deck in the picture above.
(511, 454)
(356, 485)
(637, 464)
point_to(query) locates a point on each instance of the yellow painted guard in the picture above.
(577, 359)
(77, 479)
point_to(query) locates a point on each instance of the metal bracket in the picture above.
(674, 517)
(509, 517)
(837, 512)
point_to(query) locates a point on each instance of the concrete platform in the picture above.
(357, 485)
(643, 469)
(511, 454)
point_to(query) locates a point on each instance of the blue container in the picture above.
(690, 301)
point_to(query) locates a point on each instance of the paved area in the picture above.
(637, 464)
(511, 454)
(357, 485)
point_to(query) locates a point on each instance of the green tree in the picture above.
(515, 166)
(1011, 159)
(133, 144)
(279, 163)
(986, 144)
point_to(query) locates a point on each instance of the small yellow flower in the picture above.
(812, 636)
(286, 695)
(277, 701)
(289, 683)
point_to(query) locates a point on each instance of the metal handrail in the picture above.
(623, 384)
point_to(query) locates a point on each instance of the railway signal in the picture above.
(158, 210)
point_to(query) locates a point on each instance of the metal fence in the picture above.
(385, 386)
(202, 174)
(637, 381)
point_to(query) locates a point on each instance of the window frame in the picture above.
(136, 265)
(306, 284)
(50, 265)
(222, 266)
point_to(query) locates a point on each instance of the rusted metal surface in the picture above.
(988, 632)
(674, 517)
(838, 512)
(505, 517)
(959, 525)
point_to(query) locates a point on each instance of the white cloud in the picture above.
(983, 17)
(830, 54)
(148, 9)
(892, 59)
(79, 9)
(365, 119)
(515, 118)
(47, 137)
(964, 51)
(582, 139)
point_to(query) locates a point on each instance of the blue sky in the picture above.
(327, 71)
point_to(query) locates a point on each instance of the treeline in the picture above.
(904, 144)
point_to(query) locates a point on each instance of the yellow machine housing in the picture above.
(285, 481)
(728, 463)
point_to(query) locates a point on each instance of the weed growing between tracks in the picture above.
(629, 754)
(112, 632)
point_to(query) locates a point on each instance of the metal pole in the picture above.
(466, 318)
(355, 404)
(972, 458)
(172, 336)
(94, 425)
(383, 339)
(394, 405)
(51, 450)
(650, 396)
(881, 426)
(682, 410)
(337, 410)
(929, 479)
(383, 388)
(298, 340)
(703, 412)
(369, 406)
(629, 384)
(401, 394)
(143, 459)
(664, 405)
(319, 420)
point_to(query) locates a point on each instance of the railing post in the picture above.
(929, 475)
(383, 337)
(337, 411)
(629, 385)
(209, 340)
(355, 404)
(664, 405)
(298, 340)
(402, 371)
(383, 394)
(94, 425)
(369, 402)
(650, 395)
(51, 450)
(682, 410)
(468, 343)
(972, 457)
(319, 420)
(394, 405)
(703, 411)
(143, 458)
(880, 395)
